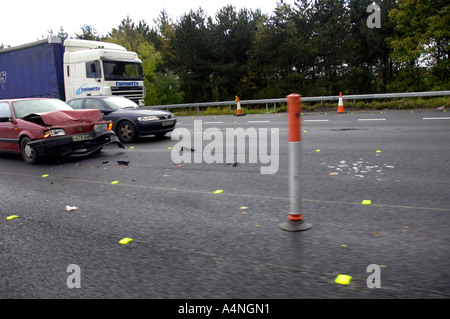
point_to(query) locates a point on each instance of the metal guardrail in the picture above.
(306, 99)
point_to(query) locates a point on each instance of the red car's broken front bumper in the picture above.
(74, 145)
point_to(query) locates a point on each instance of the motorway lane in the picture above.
(192, 243)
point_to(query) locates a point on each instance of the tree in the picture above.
(193, 44)
(359, 71)
(421, 48)
(61, 34)
(167, 90)
(88, 33)
(330, 27)
(232, 33)
(384, 65)
(273, 54)
(150, 34)
(165, 40)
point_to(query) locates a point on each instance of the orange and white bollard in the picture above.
(295, 220)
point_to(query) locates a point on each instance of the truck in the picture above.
(68, 68)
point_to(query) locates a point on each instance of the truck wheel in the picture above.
(28, 154)
(126, 132)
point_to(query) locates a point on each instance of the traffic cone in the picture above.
(238, 110)
(340, 104)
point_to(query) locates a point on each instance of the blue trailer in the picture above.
(32, 70)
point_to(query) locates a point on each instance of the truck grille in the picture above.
(131, 92)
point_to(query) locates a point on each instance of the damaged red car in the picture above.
(38, 127)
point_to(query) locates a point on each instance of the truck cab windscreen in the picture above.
(115, 70)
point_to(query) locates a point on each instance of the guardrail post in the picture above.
(295, 220)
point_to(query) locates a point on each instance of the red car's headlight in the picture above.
(103, 127)
(54, 132)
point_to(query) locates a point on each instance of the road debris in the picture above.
(359, 169)
(343, 279)
(125, 241)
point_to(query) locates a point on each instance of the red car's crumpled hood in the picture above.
(70, 117)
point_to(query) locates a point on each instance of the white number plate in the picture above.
(167, 123)
(81, 137)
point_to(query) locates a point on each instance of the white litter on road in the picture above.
(359, 169)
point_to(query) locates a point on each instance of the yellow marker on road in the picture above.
(366, 202)
(218, 191)
(125, 241)
(12, 217)
(115, 182)
(343, 279)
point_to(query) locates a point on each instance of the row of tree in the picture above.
(319, 47)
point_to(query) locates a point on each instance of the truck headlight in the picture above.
(147, 118)
(54, 132)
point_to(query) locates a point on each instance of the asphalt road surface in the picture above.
(190, 241)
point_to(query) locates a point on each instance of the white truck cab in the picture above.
(101, 68)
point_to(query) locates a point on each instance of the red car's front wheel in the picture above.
(28, 154)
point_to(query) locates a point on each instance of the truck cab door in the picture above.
(83, 79)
